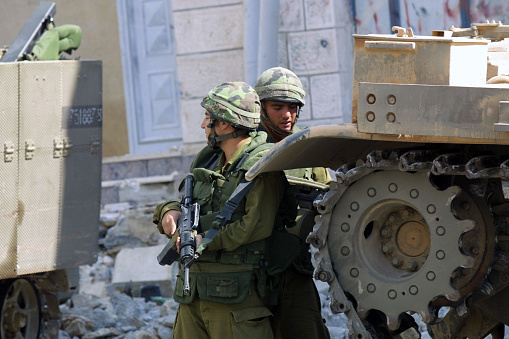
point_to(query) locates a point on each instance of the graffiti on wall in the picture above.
(378, 16)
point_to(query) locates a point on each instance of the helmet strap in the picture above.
(273, 129)
(215, 139)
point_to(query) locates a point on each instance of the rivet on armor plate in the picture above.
(354, 272)
(414, 194)
(430, 275)
(371, 288)
(413, 290)
(440, 255)
(345, 227)
(391, 99)
(354, 206)
(391, 117)
(345, 251)
(393, 187)
(440, 230)
(370, 116)
(371, 192)
(475, 250)
(371, 99)
(431, 209)
(392, 294)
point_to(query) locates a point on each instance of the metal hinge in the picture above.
(29, 149)
(67, 147)
(62, 147)
(58, 146)
(95, 143)
(8, 151)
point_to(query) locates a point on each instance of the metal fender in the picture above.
(323, 146)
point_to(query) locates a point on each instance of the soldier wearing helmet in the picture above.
(282, 98)
(228, 283)
(298, 309)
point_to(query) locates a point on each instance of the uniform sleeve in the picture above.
(161, 209)
(262, 204)
(321, 175)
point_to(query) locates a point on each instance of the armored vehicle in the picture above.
(50, 165)
(417, 222)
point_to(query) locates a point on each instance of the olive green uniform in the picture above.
(298, 310)
(228, 284)
(318, 174)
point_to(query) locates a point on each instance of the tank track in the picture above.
(365, 217)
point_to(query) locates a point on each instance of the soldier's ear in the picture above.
(224, 125)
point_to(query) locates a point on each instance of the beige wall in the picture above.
(98, 20)
(205, 56)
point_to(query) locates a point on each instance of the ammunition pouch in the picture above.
(224, 288)
(178, 293)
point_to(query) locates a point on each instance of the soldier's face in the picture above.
(281, 114)
(205, 123)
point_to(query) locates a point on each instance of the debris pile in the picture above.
(126, 294)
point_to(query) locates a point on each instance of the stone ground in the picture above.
(113, 300)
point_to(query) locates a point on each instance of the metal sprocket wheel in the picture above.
(394, 242)
(21, 313)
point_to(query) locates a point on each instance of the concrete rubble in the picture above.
(126, 294)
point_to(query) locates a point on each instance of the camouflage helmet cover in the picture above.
(235, 103)
(280, 84)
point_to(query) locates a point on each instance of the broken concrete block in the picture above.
(138, 267)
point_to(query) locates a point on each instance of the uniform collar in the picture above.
(222, 167)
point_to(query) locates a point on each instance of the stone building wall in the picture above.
(209, 45)
(315, 42)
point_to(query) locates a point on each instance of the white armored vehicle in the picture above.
(50, 165)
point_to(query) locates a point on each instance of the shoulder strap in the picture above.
(230, 206)
(213, 161)
(233, 202)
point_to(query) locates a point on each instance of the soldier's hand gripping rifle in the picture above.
(187, 226)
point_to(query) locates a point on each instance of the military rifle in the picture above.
(187, 226)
